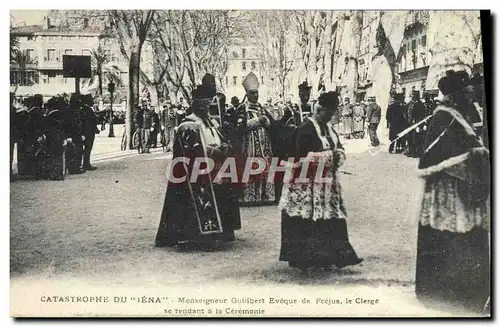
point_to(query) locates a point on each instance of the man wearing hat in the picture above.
(305, 105)
(144, 125)
(347, 118)
(396, 122)
(416, 112)
(453, 250)
(251, 139)
(358, 117)
(373, 115)
(203, 212)
(167, 122)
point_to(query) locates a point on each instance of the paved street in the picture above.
(101, 226)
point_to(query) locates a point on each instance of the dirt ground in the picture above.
(101, 226)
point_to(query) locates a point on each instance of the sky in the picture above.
(30, 17)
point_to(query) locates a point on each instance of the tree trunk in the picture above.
(337, 51)
(133, 92)
(350, 79)
(327, 48)
(389, 38)
(99, 80)
(155, 95)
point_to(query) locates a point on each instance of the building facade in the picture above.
(365, 55)
(243, 58)
(39, 68)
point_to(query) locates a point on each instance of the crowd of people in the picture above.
(453, 234)
(53, 138)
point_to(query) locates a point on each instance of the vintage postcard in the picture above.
(239, 163)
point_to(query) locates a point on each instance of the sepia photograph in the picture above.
(250, 163)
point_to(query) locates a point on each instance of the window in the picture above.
(29, 78)
(85, 52)
(227, 81)
(30, 54)
(243, 65)
(51, 76)
(234, 80)
(254, 66)
(413, 44)
(23, 78)
(262, 78)
(68, 51)
(424, 40)
(51, 55)
(30, 38)
(244, 53)
(404, 50)
(14, 77)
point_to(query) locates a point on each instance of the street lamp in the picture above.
(111, 90)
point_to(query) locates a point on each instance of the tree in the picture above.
(14, 46)
(21, 61)
(389, 35)
(190, 43)
(270, 31)
(131, 28)
(103, 70)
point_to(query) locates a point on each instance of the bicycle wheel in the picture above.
(123, 145)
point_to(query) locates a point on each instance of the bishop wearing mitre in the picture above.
(249, 135)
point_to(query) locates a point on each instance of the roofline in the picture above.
(67, 33)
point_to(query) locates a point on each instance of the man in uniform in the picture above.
(373, 115)
(144, 125)
(396, 123)
(415, 113)
(74, 153)
(274, 110)
(358, 116)
(156, 128)
(167, 122)
(347, 118)
(305, 107)
(290, 117)
(28, 143)
(89, 124)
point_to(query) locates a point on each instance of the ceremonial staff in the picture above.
(409, 129)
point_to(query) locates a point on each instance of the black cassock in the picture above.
(202, 211)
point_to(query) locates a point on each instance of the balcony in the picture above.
(50, 65)
(32, 66)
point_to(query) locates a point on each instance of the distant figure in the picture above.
(416, 112)
(346, 118)
(144, 124)
(373, 115)
(358, 117)
(89, 121)
(396, 123)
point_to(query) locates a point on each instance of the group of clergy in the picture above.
(53, 138)
(206, 210)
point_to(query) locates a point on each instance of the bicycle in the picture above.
(136, 144)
